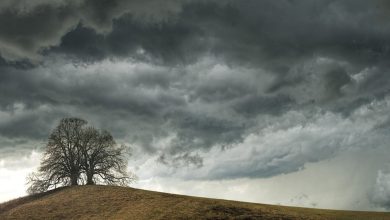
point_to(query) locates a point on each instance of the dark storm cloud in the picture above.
(252, 105)
(32, 125)
(164, 42)
(199, 131)
(202, 74)
(30, 27)
(145, 101)
(26, 91)
(275, 34)
(24, 34)
(35, 88)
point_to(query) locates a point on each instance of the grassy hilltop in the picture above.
(109, 202)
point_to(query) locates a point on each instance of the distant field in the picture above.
(109, 202)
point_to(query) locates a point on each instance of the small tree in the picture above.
(76, 154)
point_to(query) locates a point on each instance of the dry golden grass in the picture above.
(109, 202)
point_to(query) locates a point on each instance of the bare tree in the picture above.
(103, 160)
(61, 164)
(75, 151)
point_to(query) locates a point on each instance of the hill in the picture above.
(110, 202)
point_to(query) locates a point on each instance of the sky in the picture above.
(280, 102)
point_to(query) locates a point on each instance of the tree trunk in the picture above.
(74, 180)
(90, 178)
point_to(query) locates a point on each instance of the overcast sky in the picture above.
(282, 102)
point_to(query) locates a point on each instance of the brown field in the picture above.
(109, 202)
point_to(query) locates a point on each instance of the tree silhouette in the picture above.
(78, 154)
(103, 161)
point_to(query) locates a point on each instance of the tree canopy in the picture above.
(79, 154)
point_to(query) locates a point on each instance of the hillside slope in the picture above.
(109, 202)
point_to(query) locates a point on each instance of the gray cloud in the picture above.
(228, 89)
(153, 98)
(181, 31)
(27, 30)
(341, 33)
(289, 142)
(30, 27)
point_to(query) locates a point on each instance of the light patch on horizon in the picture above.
(13, 173)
